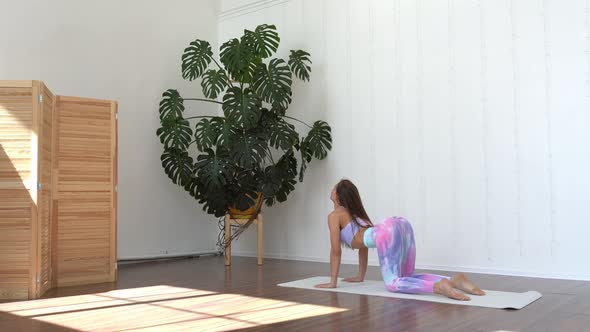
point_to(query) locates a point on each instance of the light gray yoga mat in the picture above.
(492, 299)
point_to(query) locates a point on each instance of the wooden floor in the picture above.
(203, 295)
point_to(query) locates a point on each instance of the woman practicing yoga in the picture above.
(394, 240)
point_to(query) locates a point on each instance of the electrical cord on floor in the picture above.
(235, 230)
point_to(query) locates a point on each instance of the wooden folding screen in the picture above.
(57, 190)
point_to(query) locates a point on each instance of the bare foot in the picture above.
(461, 282)
(444, 287)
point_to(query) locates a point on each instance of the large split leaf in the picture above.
(207, 133)
(175, 133)
(178, 165)
(171, 105)
(264, 40)
(213, 132)
(300, 64)
(239, 58)
(214, 82)
(319, 139)
(278, 180)
(213, 169)
(226, 132)
(282, 135)
(273, 83)
(196, 58)
(248, 150)
(242, 108)
(288, 166)
(215, 202)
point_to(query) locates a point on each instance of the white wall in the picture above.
(469, 117)
(128, 51)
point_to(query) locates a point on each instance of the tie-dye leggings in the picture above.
(394, 240)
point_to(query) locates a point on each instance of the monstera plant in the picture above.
(252, 150)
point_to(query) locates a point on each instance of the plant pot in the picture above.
(249, 213)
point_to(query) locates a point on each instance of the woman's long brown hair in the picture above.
(348, 197)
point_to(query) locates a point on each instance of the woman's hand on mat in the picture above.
(328, 285)
(353, 279)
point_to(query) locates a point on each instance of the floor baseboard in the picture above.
(130, 259)
(467, 269)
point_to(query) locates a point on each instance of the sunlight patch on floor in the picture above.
(163, 308)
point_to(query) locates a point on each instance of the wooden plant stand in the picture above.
(228, 222)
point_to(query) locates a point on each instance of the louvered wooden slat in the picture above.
(86, 249)
(84, 143)
(15, 237)
(16, 123)
(84, 237)
(16, 204)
